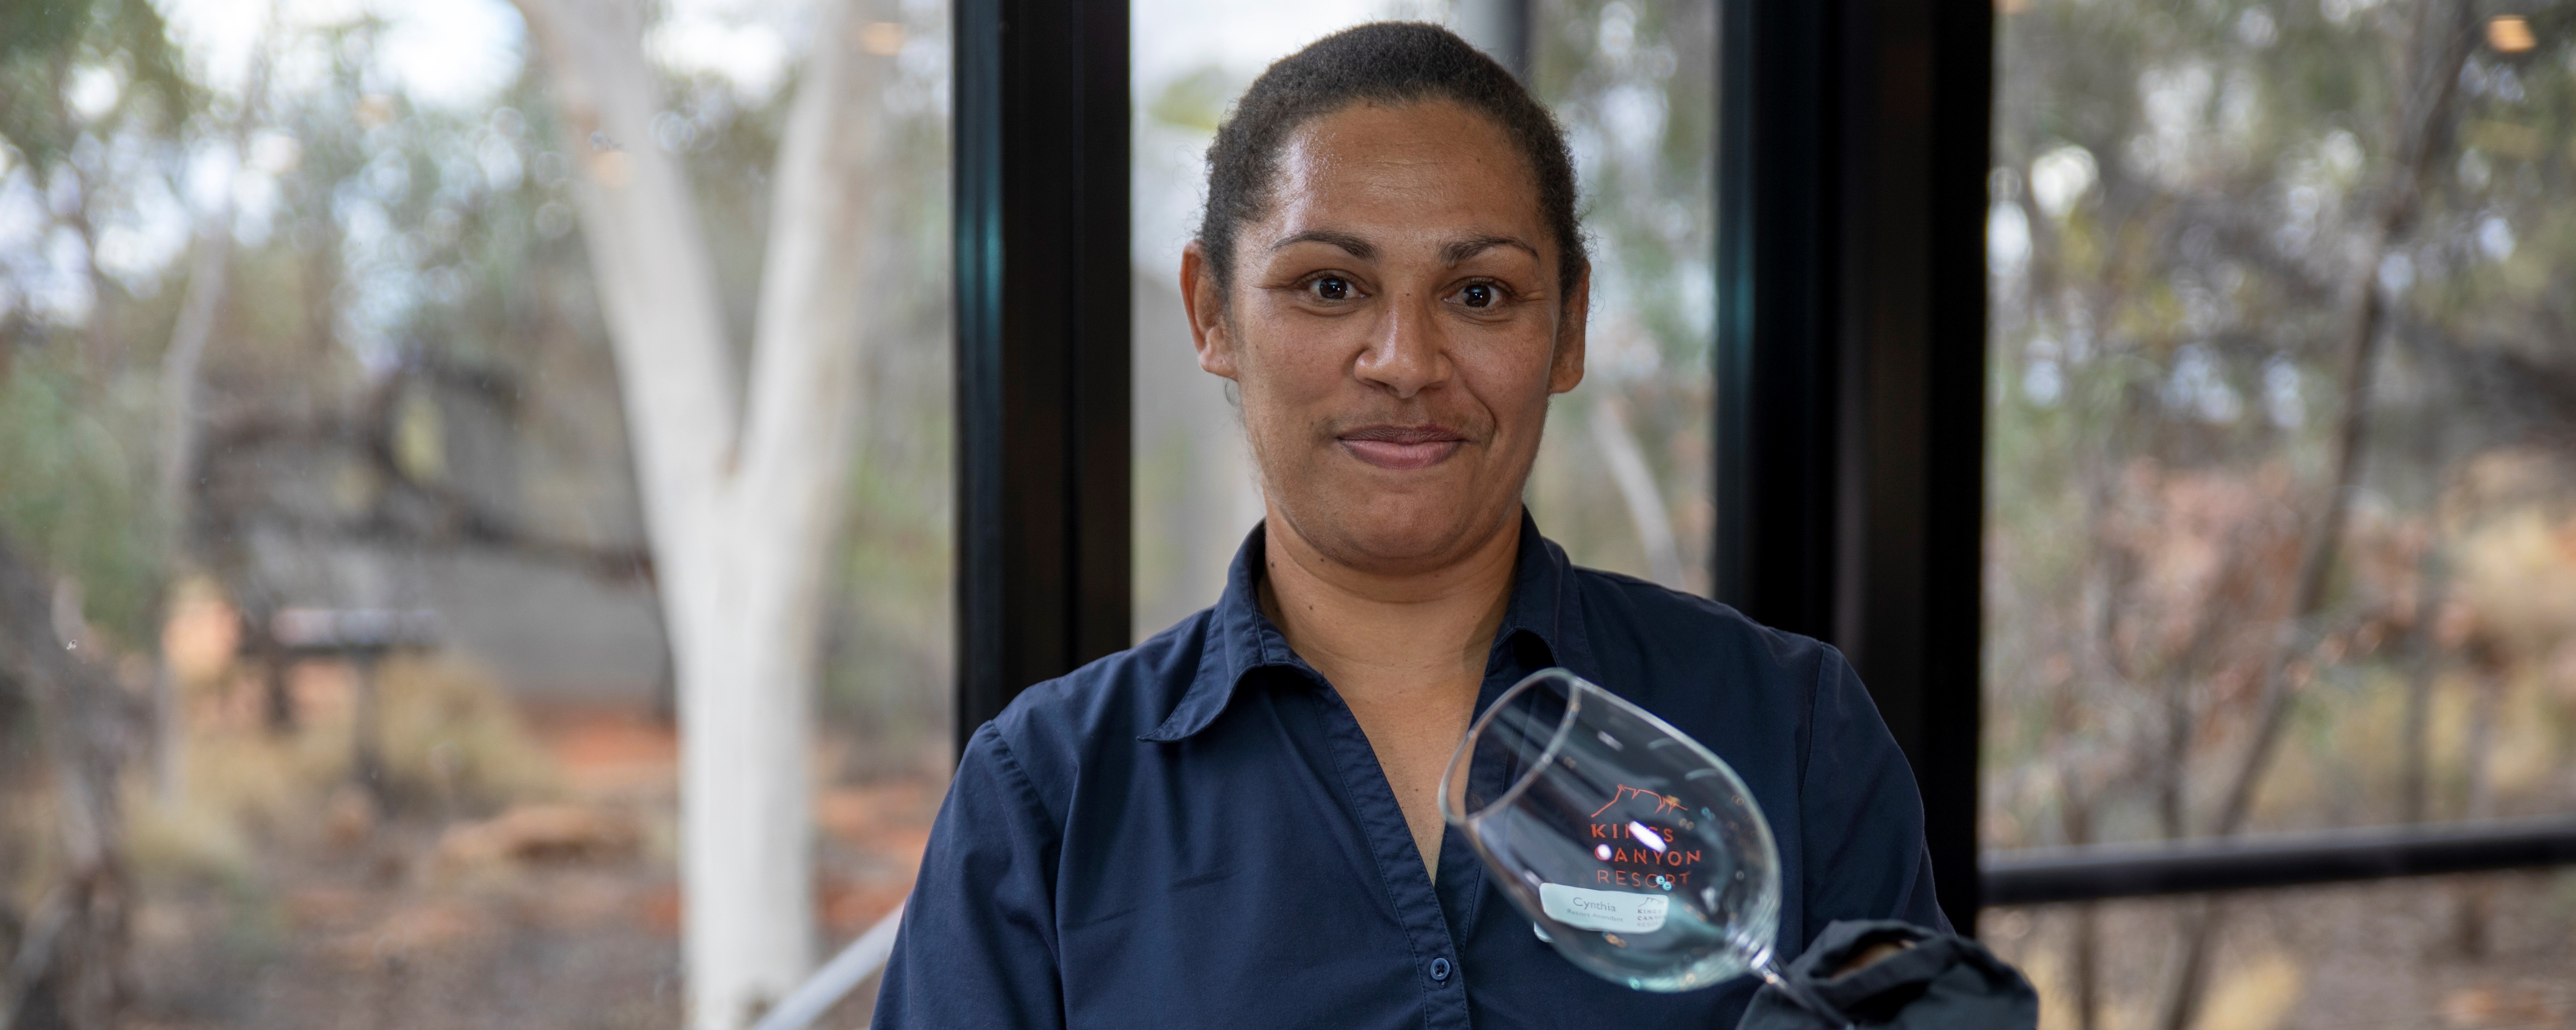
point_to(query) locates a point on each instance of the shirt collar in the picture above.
(1241, 639)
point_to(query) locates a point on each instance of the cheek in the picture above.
(1280, 397)
(1511, 379)
(1291, 359)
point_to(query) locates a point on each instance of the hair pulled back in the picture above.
(1387, 63)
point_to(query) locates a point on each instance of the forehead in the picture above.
(1431, 164)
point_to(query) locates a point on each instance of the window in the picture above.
(385, 401)
(2279, 500)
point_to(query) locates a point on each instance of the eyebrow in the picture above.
(1454, 253)
(1356, 246)
(1460, 251)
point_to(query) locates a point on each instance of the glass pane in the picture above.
(365, 431)
(1621, 479)
(2461, 953)
(2280, 501)
(2209, 539)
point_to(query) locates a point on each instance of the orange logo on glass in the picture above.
(1633, 849)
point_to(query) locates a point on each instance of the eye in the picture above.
(1478, 295)
(1330, 287)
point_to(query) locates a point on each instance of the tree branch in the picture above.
(2421, 119)
(2424, 108)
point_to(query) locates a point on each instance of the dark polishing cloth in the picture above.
(1943, 982)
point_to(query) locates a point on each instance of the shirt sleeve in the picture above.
(978, 944)
(1860, 814)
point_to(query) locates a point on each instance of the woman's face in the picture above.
(1396, 329)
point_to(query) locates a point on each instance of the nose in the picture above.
(1408, 354)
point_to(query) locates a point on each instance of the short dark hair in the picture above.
(1384, 63)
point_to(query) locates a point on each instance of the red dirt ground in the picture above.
(418, 923)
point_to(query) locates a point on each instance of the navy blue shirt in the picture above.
(1195, 832)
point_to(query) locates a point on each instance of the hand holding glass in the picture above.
(1635, 851)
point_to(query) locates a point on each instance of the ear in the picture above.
(1565, 367)
(1210, 335)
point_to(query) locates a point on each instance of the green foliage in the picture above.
(43, 41)
(75, 486)
(76, 439)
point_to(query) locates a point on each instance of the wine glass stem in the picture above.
(1800, 992)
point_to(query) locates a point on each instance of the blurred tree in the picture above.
(400, 367)
(740, 484)
(2432, 50)
(77, 71)
(78, 75)
(1623, 481)
(67, 954)
(2265, 302)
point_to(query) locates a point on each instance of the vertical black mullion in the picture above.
(1914, 231)
(976, 202)
(1042, 343)
(1731, 353)
(1953, 612)
(1775, 410)
(1103, 387)
(1851, 362)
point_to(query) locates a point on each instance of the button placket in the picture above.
(1409, 888)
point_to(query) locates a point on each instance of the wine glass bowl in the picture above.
(1633, 850)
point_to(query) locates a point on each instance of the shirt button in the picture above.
(1440, 969)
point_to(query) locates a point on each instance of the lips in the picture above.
(1403, 448)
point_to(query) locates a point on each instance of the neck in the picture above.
(1381, 636)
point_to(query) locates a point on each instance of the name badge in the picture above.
(1614, 911)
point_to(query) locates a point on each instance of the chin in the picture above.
(1393, 533)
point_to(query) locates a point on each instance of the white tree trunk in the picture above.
(202, 307)
(1627, 464)
(177, 461)
(741, 507)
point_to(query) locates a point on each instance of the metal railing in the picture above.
(862, 959)
(2039, 876)
(2103, 872)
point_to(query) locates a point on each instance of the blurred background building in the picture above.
(2170, 406)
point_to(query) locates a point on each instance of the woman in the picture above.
(1234, 823)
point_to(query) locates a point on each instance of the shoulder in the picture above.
(1762, 698)
(1629, 617)
(1058, 728)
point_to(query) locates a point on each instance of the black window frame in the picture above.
(1042, 335)
(1849, 420)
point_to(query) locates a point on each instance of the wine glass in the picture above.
(1633, 850)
